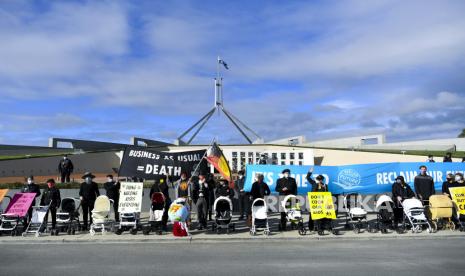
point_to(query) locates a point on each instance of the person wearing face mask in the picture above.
(259, 188)
(318, 185)
(449, 183)
(31, 187)
(51, 196)
(459, 180)
(182, 187)
(286, 185)
(162, 186)
(112, 191)
(211, 194)
(243, 199)
(88, 193)
(400, 191)
(65, 167)
(223, 189)
(202, 191)
(424, 185)
(430, 159)
(448, 157)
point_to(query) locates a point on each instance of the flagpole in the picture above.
(201, 160)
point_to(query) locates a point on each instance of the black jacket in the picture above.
(424, 186)
(404, 191)
(160, 188)
(51, 195)
(89, 192)
(32, 188)
(239, 185)
(112, 190)
(288, 183)
(447, 159)
(446, 185)
(65, 166)
(224, 191)
(259, 190)
(315, 187)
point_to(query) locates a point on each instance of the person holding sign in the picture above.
(317, 186)
(449, 183)
(400, 191)
(286, 185)
(31, 187)
(88, 193)
(424, 185)
(51, 196)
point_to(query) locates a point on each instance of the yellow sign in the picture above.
(458, 197)
(321, 205)
(3, 193)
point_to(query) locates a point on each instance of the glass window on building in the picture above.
(283, 155)
(250, 154)
(274, 155)
(301, 155)
(283, 163)
(301, 163)
(292, 156)
(292, 162)
(250, 161)
(242, 154)
(234, 154)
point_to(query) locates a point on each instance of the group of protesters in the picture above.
(201, 191)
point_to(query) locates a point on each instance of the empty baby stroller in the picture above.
(414, 215)
(223, 214)
(384, 214)
(68, 216)
(291, 206)
(440, 212)
(101, 215)
(259, 217)
(178, 213)
(14, 216)
(37, 225)
(356, 216)
(157, 210)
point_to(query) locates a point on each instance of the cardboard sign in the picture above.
(321, 205)
(130, 197)
(3, 193)
(458, 197)
(20, 204)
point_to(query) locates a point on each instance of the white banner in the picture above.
(130, 197)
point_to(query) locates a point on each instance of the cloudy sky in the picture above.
(109, 70)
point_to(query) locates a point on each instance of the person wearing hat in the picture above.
(318, 185)
(243, 199)
(201, 192)
(400, 191)
(51, 197)
(112, 191)
(286, 185)
(223, 189)
(65, 167)
(88, 193)
(31, 187)
(161, 185)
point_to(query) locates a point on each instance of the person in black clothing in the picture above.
(400, 191)
(31, 187)
(211, 194)
(201, 190)
(65, 167)
(424, 186)
(162, 186)
(88, 194)
(223, 189)
(317, 186)
(259, 188)
(449, 183)
(448, 157)
(112, 191)
(430, 159)
(243, 199)
(51, 196)
(286, 186)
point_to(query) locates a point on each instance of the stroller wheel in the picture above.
(73, 232)
(321, 232)
(69, 231)
(451, 226)
(335, 232)
(266, 232)
(146, 231)
(302, 231)
(92, 231)
(356, 229)
(118, 231)
(434, 226)
(133, 231)
(37, 234)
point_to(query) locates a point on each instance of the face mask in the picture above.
(64, 158)
(201, 181)
(29, 181)
(109, 179)
(398, 181)
(286, 175)
(88, 180)
(422, 172)
(458, 178)
(241, 176)
(183, 178)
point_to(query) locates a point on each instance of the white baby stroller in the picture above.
(37, 225)
(101, 215)
(356, 216)
(223, 208)
(414, 215)
(68, 216)
(259, 217)
(157, 209)
(384, 215)
(291, 206)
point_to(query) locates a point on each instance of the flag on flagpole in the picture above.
(224, 63)
(216, 157)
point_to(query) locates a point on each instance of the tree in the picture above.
(462, 135)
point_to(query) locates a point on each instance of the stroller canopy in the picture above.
(222, 204)
(411, 203)
(102, 204)
(292, 200)
(68, 205)
(383, 199)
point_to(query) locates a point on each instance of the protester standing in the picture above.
(202, 204)
(448, 157)
(243, 199)
(31, 187)
(449, 183)
(88, 193)
(162, 186)
(400, 192)
(112, 189)
(65, 167)
(286, 185)
(51, 197)
(424, 185)
(430, 159)
(259, 188)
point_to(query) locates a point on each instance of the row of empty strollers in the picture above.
(438, 214)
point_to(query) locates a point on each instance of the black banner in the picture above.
(150, 164)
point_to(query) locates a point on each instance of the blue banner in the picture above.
(363, 178)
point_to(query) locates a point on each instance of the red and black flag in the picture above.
(216, 157)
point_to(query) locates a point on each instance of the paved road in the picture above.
(329, 257)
